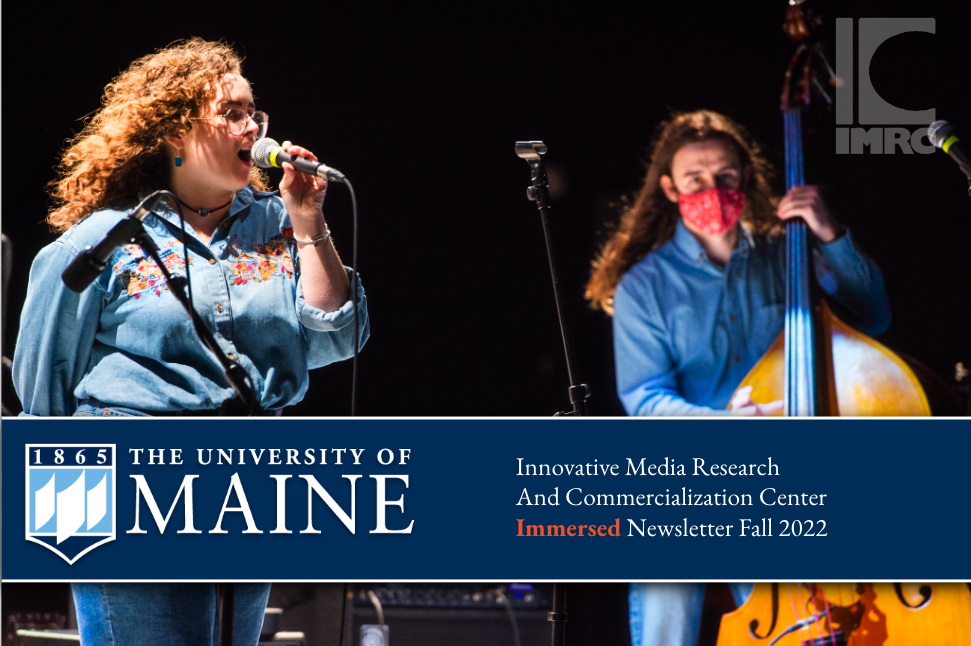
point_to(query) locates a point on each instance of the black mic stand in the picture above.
(539, 192)
(131, 230)
(557, 616)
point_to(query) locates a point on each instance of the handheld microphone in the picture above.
(267, 153)
(941, 134)
(88, 265)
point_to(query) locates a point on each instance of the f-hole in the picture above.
(754, 625)
(925, 592)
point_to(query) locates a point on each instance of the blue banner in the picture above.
(414, 499)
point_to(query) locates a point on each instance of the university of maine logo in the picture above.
(70, 497)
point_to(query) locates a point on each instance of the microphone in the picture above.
(941, 134)
(267, 153)
(799, 625)
(88, 265)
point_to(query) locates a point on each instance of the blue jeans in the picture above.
(165, 614)
(669, 614)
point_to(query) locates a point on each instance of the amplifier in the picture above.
(447, 614)
(455, 595)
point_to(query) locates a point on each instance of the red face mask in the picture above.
(714, 211)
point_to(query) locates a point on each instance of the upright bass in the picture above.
(821, 366)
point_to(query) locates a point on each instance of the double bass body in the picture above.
(856, 375)
(852, 614)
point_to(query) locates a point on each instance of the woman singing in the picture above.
(264, 276)
(263, 270)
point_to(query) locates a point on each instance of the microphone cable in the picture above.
(340, 638)
(185, 254)
(267, 153)
(377, 606)
(355, 281)
(502, 599)
(174, 202)
(355, 297)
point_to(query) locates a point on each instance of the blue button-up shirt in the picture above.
(126, 341)
(686, 331)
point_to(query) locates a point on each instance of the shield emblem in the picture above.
(70, 497)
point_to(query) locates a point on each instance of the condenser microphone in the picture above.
(267, 153)
(941, 134)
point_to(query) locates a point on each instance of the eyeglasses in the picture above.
(237, 121)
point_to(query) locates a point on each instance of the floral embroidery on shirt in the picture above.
(140, 274)
(267, 260)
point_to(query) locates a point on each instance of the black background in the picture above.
(420, 107)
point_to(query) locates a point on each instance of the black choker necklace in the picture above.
(204, 212)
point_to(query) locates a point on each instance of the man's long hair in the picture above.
(120, 152)
(650, 221)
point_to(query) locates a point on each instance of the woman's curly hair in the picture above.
(120, 152)
(650, 221)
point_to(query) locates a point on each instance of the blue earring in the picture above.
(178, 161)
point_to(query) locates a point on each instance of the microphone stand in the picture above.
(131, 230)
(539, 192)
(558, 615)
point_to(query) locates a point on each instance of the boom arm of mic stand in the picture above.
(538, 192)
(234, 373)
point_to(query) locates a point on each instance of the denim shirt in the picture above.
(686, 331)
(127, 341)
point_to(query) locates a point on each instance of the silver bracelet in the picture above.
(317, 239)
